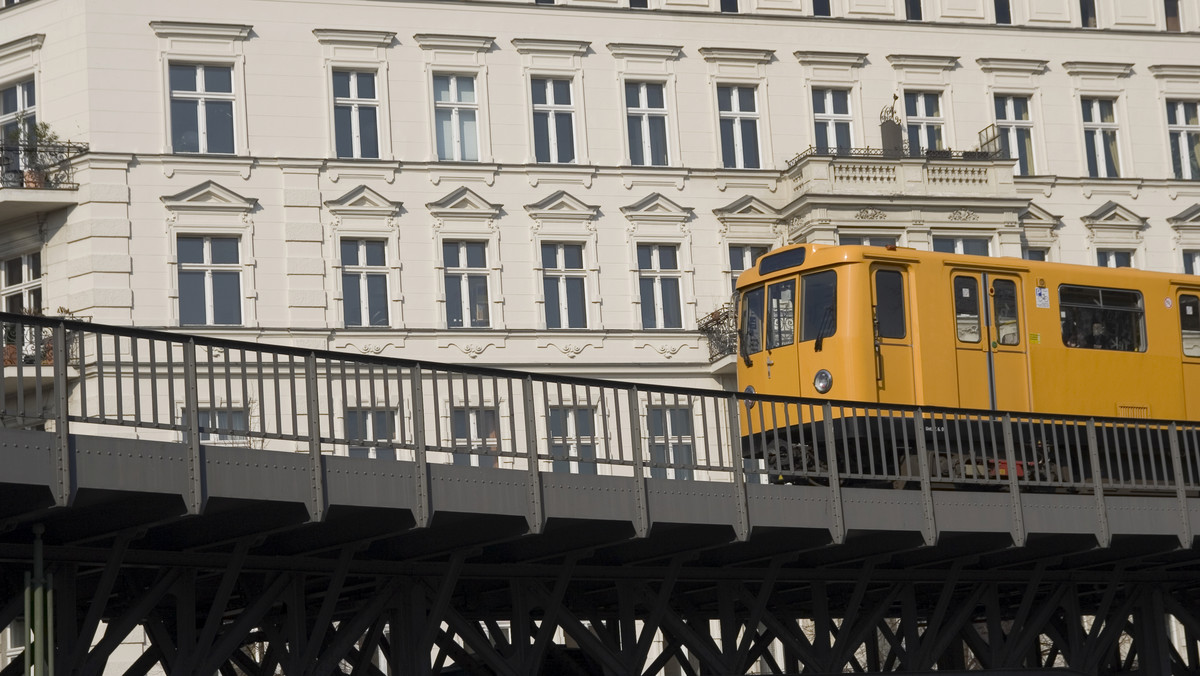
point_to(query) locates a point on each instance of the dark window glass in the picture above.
(639, 4)
(1172, 7)
(889, 308)
(729, 5)
(1004, 312)
(781, 261)
(913, 8)
(1102, 319)
(821, 8)
(819, 305)
(1003, 11)
(1087, 13)
(1189, 324)
(752, 321)
(966, 309)
(781, 314)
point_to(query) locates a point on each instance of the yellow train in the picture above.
(894, 326)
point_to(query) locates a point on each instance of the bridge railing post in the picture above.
(64, 493)
(421, 504)
(1098, 484)
(316, 471)
(835, 480)
(641, 511)
(1014, 488)
(191, 413)
(930, 528)
(741, 500)
(536, 514)
(1185, 521)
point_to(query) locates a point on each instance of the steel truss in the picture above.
(511, 620)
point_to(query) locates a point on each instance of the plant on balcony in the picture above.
(35, 147)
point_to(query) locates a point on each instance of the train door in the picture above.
(990, 349)
(893, 337)
(782, 367)
(1189, 327)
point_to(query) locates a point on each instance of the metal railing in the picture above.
(39, 166)
(199, 390)
(720, 328)
(898, 153)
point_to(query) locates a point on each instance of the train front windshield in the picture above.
(772, 311)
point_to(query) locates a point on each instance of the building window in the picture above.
(1183, 126)
(659, 281)
(370, 424)
(572, 439)
(1087, 13)
(466, 285)
(729, 6)
(1172, 12)
(912, 9)
(1100, 137)
(867, 240)
(22, 289)
(1003, 11)
(973, 246)
(831, 112)
(742, 257)
(210, 281)
(553, 125)
(739, 126)
(639, 4)
(1114, 258)
(564, 284)
(1034, 254)
(1191, 262)
(671, 441)
(456, 110)
(364, 282)
(477, 431)
(1016, 131)
(355, 114)
(822, 8)
(923, 116)
(17, 110)
(646, 117)
(201, 108)
(223, 424)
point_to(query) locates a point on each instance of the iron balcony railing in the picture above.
(95, 379)
(899, 153)
(720, 328)
(40, 166)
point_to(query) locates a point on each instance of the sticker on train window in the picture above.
(1041, 296)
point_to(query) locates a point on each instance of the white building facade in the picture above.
(572, 186)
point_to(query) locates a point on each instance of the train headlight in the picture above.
(823, 381)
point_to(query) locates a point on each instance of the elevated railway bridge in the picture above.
(259, 510)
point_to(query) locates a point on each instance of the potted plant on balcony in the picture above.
(34, 147)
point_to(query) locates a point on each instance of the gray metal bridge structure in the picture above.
(260, 510)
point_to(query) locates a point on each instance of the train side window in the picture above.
(889, 304)
(1102, 319)
(752, 321)
(781, 314)
(1004, 304)
(818, 305)
(1189, 324)
(966, 308)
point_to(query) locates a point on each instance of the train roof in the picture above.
(786, 260)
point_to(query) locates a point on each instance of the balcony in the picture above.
(720, 328)
(917, 173)
(37, 178)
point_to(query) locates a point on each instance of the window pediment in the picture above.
(363, 201)
(735, 55)
(655, 209)
(464, 204)
(458, 43)
(562, 207)
(210, 31)
(844, 59)
(1186, 223)
(747, 211)
(1098, 68)
(629, 50)
(353, 38)
(922, 61)
(557, 47)
(1113, 222)
(1175, 71)
(1018, 66)
(209, 196)
(21, 46)
(1039, 224)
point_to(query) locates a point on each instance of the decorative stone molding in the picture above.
(654, 209)
(1175, 71)
(1004, 65)
(571, 350)
(363, 201)
(922, 61)
(963, 216)
(842, 59)
(631, 50)
(211, 31)
(558, 47)
(1038, 225)
(456, 43)
(21, 46)
(870, 215)
(1113, 223)
(464, 204)
(357, 38)
(209, 196)
(735, 55)
(748, 211)
(563, 208)
(1098, 68)
(666, 350)
(1186, 225)
(472, 350)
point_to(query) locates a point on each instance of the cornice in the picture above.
(625, 50)
(28, 43)
(1099, 68)
(540, 46)
(1004, 65)
(364, 38)
(190, 29)
(463, 43)
(922, 61)
(851, 59)
(1182, 71)
(731, 54)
